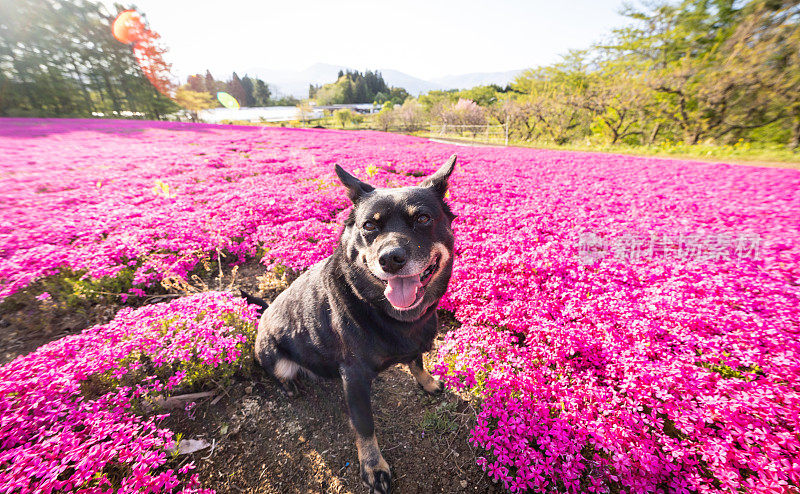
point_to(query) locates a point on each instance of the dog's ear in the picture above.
(438, 181)
(356, 189)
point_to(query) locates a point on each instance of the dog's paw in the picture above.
(433, 387)
(377, 478)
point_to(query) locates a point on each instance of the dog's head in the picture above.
(400, 242)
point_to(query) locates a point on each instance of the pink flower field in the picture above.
(626, 324)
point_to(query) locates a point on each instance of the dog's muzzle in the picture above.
(407, 292)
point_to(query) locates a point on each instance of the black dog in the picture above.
(370, 305)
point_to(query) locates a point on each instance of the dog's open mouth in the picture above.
(426, 275)
(406, 292)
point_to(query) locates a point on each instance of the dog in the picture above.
(370, 305)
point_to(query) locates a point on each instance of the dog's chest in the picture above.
(405, 346)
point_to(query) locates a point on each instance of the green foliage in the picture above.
(708, 74)
(728, 372)
(60, 59)
(331, 94)
(440, 420)
(194, 101)
(261, 93)
(75, 289)
(248, 91)
(72, 300)
(71, 289)
(740, 151)
(398, 95)
(482, 95)
(411, 115)
(384, 118)
(454, 367)
(355, 87)
(436, 96)
(345, 116)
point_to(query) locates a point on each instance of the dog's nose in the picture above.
(392, 260)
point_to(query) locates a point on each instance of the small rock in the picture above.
(464, 484)
(188, 446)
(248, 390)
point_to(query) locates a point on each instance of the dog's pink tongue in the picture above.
(402, 291)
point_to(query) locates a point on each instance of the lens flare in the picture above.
(227, 100)
(128, 27)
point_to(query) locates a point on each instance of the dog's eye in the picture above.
(423, 218)
(370, 226)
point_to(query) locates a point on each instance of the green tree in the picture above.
(436, 96)
(354, 87)
(679, 53)
(236, 89)
(194, 101)
(261, 93)
(385, 117)
(482, 95)
(249, 87)
(330, 94)
(411, 115)
(546, 94)
(765, 50)
(61, 59)
(343, 117)
(304, 111)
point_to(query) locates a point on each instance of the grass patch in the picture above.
(441, 420)
(66, 301)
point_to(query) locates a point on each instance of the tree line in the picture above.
(354, 87)
(716, 71)
(59, 58)
(248, 91)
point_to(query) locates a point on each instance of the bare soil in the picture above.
(264, 442)
(27, 323)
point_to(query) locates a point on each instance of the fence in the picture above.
(491, 134)
(488, 133)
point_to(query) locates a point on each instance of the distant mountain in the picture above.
(466, 81)
(414, 85)
(295, 83)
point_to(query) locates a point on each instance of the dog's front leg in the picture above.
(374, 469)
(425, 380)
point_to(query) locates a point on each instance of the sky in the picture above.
(423, 38)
